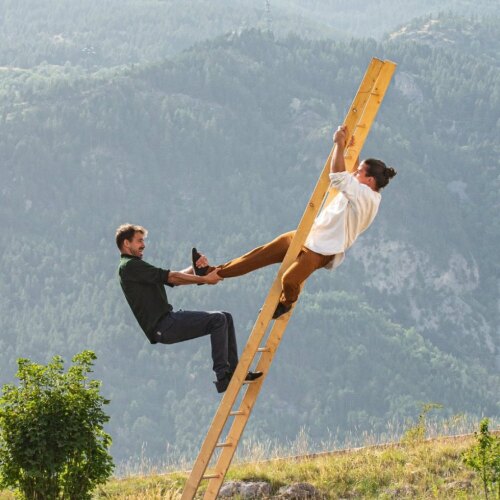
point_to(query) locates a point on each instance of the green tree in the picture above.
(52, 442)
(484, 457)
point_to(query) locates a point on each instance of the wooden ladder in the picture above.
(358, 120)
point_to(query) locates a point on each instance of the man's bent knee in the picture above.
(228, 316)
(218, 319)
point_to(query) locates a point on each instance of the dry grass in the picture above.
(430, 469)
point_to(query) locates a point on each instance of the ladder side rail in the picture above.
(265, 315)
(354, 114)
(367, 117)
(230, 395)
(247, 404)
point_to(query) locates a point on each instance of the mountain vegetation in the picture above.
(98, 33)
(219, 147)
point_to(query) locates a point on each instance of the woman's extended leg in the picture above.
(270, 253)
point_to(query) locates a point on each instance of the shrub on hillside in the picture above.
(52, 442)
(484, 457)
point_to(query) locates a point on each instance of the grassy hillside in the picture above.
(429, 469)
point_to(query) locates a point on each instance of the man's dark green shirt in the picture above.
(144, 289)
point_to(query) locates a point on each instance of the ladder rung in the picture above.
(263, 349)
(211, 476)
(223, 445)
(236, 413)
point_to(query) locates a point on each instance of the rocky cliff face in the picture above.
(448, 32)
(441, 302)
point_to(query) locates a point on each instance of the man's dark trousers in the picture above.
(186, 325)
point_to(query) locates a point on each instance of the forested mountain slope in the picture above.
(220, 147)
(98, 33)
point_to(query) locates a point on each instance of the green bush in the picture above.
(484, 457)
(52, 442)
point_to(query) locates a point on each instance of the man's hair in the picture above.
(379, 171)
(127, 232)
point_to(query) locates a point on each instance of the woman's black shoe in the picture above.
(199, 271)
(280, 310)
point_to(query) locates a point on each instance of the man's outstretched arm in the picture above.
(187, 277)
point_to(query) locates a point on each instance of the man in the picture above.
(333, 232)
(144, 289)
